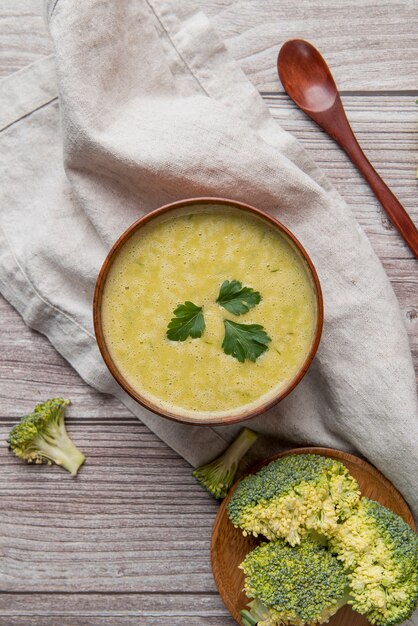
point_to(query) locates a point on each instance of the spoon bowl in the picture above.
(306, 76)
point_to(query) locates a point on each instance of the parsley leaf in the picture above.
(188, 321)
(244, 341)
(237, 299)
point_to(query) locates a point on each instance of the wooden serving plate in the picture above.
(229, 547)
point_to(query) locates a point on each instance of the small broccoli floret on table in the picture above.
(293, 495)
(41, 437)
(295, 585)
(218, 475)
(381, 552)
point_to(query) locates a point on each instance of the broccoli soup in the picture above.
(208, 313)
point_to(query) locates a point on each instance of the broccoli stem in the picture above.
(56, 446)
(248, 619)
(218, 475)
(258, 613)
(233, 455)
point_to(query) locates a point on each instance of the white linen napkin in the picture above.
(152, 109)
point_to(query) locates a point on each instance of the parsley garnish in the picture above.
(237, 299)
(188, 322)
(244, 341)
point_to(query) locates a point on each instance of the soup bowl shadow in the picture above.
(175, 209)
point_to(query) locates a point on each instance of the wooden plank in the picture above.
(134, 520)
(371, 47)
(112, 609)
(23, 34)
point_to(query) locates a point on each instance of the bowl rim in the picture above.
(145, 402)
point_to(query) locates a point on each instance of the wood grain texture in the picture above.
(23, 35)
(128, 541)
(133, 520)
(229, 547)
(369, 45)
(128, 609)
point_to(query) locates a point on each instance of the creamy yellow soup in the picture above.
(187, 258)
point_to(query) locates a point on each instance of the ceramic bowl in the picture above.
(181, 208)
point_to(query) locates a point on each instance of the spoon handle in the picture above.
(344, 136)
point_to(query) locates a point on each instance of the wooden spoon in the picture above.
(308, 81)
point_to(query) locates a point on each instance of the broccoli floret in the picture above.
(381, 552)
(295, 585)
(293, 495)
(41, 437)
(313, 497)
(218, 475)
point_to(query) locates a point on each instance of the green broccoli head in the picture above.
(381, 551)
(295, 585)
(293, 495)
(41, 437)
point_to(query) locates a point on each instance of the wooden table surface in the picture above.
(128, 542)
